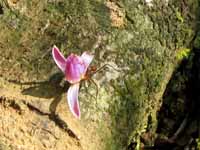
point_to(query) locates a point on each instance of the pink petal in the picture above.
(59, 58)
(72, 98)
(87, 58)
(75, 69)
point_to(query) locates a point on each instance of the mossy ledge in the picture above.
(142, 41)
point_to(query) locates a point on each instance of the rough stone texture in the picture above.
(141, 41)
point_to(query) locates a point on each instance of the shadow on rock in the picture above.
(46, 89)
(178, 118)
(54, 87)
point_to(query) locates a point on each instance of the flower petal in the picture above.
(59, 58)
(72, 98)
(75, 69)
(87, 58)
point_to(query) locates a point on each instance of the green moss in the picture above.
(179, 16)
(198, 144)
(197, 41)
(183, 53)
(28, 35)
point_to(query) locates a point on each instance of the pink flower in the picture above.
(74, 67)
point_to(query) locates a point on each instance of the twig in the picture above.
(180, 129)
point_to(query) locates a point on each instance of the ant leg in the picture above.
(97, 88)
(86, 89)
(104, 66)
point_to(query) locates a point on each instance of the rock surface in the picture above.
(143, 40)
